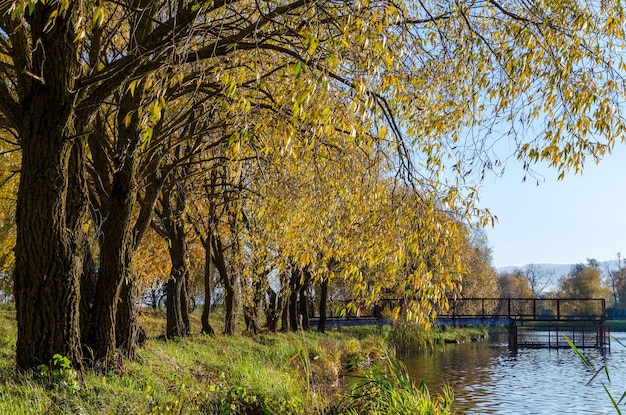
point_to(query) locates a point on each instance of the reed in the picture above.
(389, 389)
(600, 374)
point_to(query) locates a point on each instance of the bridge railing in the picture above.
(549, 309)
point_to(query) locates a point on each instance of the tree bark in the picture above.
(230, 302)
(48, 260)
(228, 283)
(251, 307)
(321, 324)
(128, 331)
(177, 302)
(272, 310)
(294, 285)
(115, 253)
(208, 290)
(303, 303)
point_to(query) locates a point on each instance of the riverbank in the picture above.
(278, 373)
(616, 325)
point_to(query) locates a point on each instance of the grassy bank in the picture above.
(282, 373)
(616, 325)
(408, 337)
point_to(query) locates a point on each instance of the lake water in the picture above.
(488, 378)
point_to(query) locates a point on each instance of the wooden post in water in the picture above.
(513, 335)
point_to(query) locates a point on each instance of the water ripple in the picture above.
(489, 379)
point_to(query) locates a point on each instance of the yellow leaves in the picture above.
(51, 19)
(312, 43)
(98, 16)
(382, 132)
(298, 69)
(127, 119)
(133, 85)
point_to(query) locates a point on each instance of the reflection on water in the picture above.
(489, 379)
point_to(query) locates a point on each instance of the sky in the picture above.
(558, 222)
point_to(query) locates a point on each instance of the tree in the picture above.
(480, 279)
(538, 278)
(513, 285)
(584, 281)
(434, 71)
(615, 279)
(620, 286)
(170, 223)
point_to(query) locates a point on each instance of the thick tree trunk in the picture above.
(114, 259)
(87, 288)
(128, 331)
(48, 267)
(48, 258)
(283, 301)
(229, 283)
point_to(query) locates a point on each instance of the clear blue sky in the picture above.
(560, 222)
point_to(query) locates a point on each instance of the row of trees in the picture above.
(591, 280)
(301, 143)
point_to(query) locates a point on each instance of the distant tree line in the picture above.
(585, 280)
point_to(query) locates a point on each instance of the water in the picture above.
(487, 378)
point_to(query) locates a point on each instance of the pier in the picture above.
(531, 322)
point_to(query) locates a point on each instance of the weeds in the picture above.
(389, 389)
(60, 374)
(602, 370)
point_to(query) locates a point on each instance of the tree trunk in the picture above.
(228, 283)
(304, 300)
(116, 247)
(251, 308)
(128, 331)
(321, 324)
(87, 288)
(230, 302)
(48, 258)
(177, 302)
(294, 285)
(48, 266)
(283, 301)
(208, 291)
(272, 310)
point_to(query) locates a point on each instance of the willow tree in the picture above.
(546, 75)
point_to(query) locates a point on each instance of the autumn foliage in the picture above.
(285, 148)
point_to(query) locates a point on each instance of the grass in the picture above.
(281, 373)
(616, 325)
(409, 337)
(393, 391)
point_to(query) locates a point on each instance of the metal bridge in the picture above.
(532, 322)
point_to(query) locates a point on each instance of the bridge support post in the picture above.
(513, 335)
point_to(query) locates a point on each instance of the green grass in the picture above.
(409, 337)
(616, 325)
(390, 390)
(281, 373)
